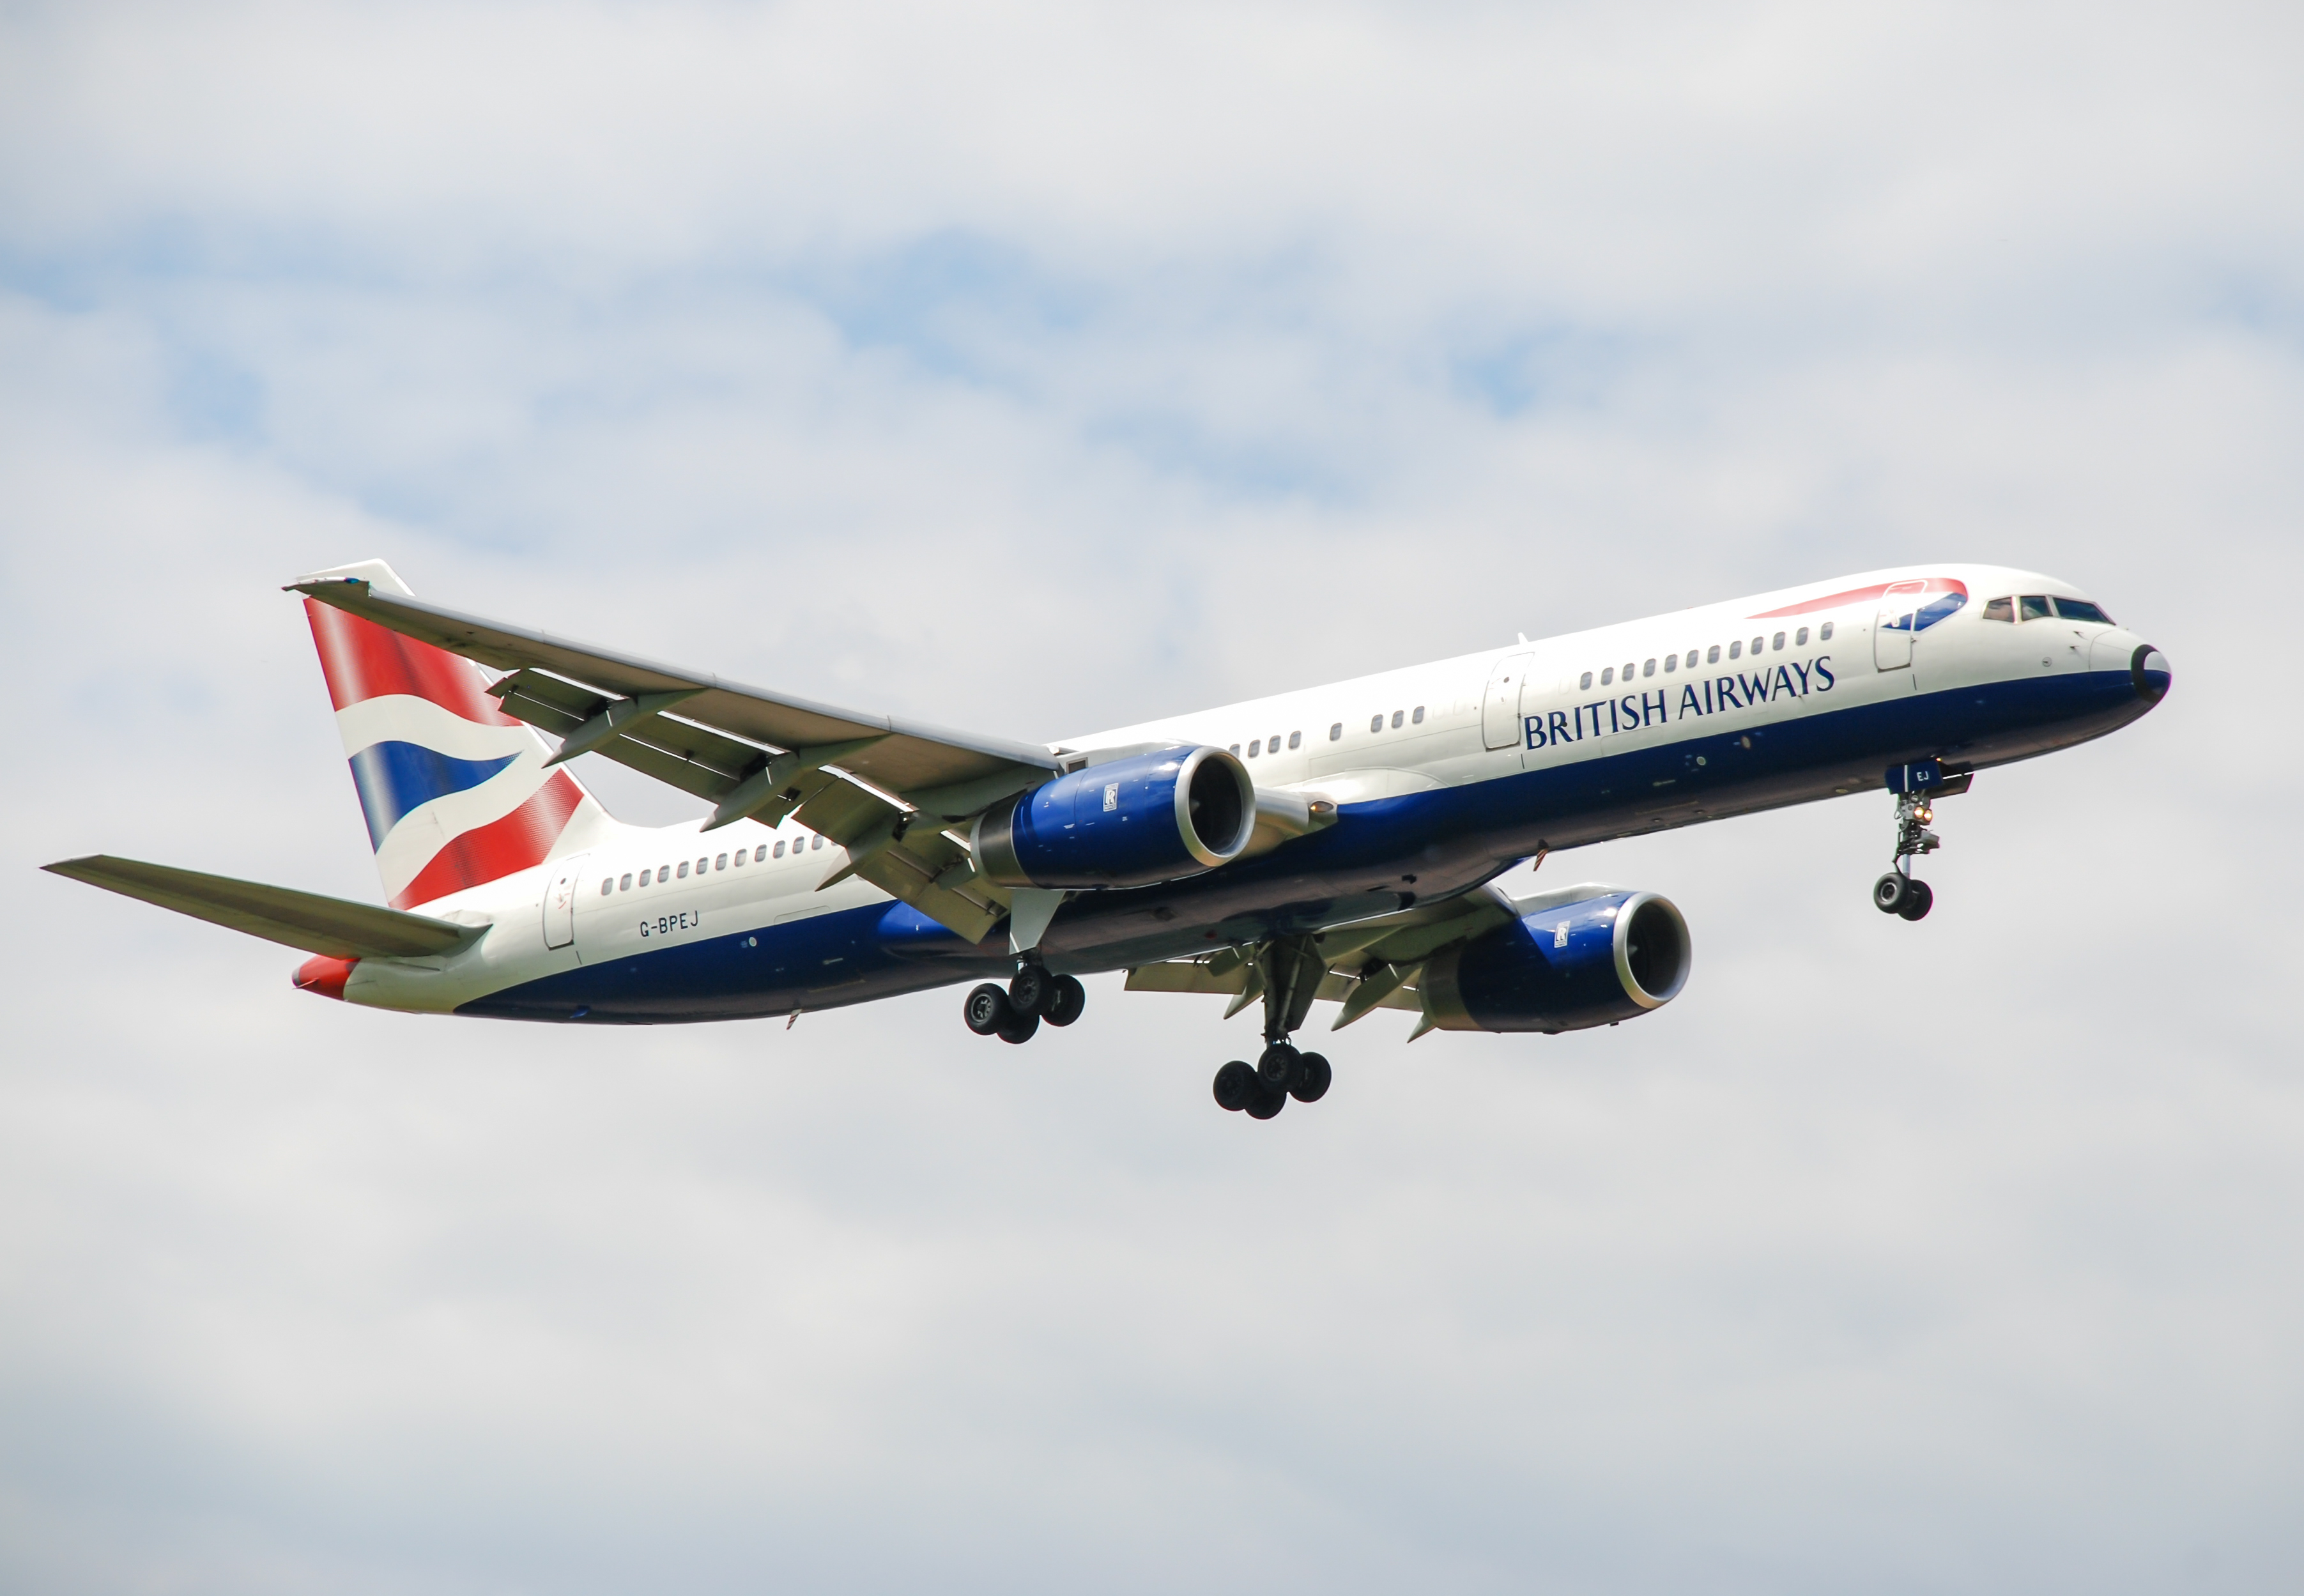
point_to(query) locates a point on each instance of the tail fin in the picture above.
(454, 789)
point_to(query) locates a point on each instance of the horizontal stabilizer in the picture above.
(335, 927)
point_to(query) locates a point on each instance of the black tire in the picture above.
(1917, 901)
(1313, 1076)
(1268, 1101)
(1020, 1028)
(1028, 992)
(1891, 891)
(986, 1010)
(1277, 1065)
(1067, 1000)
(1236, 1086)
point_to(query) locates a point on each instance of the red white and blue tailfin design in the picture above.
(455, 791)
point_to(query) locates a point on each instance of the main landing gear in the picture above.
(1290, 973)
(1896, 893)
(1013, 1013)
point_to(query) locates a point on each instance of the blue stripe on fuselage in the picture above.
(827, 961)
(395, 777)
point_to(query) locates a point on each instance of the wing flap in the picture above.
(336, 927)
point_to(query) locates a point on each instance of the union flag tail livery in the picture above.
(1337, 843)
(454, 791)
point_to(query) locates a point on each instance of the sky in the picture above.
(1034, 368)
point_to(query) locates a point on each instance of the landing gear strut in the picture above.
(1896, 893)
(1014, 1013)
(1289, 972)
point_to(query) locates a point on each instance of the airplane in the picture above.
(1340, 842)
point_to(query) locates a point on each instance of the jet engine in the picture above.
(1150, 817)
(1566, 966)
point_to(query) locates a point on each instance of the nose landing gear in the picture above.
(1896, 893)
(1290, 973)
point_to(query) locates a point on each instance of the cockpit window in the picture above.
(1999, 609)
(2080, 609)
(2035, 607)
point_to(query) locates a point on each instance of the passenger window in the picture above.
(1825, 635)
(1272, 744)
(816, 842)
(2080, 609)
(780, 849)
(1800, 639)
(1233, 749)
(1628, 670)
(683, 869)
(1417, 718)
(1396, 718)
(741, 854)
(626, 884)
(1712, 655)
(644, 878)
(1256, 748)
(1671, 662)
(1999, 609)
(663, 874)
(1336, 732)
(1649, 669)
(720, 863)
(1295, 740)
(1585, 682)
(761, 854)
(608, 885)
(1736, 650)
(1608, 676)
(1777, 641)
(1376, 723)
(2034, 606)
(1760, 642)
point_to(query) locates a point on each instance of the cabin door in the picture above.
(559, 902)
(1500, 710)
(1893, 628)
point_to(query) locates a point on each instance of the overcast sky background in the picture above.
(1038, 368)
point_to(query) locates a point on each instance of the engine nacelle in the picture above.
(1152, 816)
(1564, 966)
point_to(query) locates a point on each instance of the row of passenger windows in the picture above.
(666, 872)
(1399, 717)
(2035, 607)
(1672, 662)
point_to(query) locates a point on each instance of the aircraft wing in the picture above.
(881, 787)
(1365, 966)
(336, 927)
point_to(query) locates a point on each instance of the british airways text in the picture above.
(1739, 690)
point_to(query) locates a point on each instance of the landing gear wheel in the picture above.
(1892, 892)
(1019, 1028)
(1066, 1001)
(1277, 1065)
(1028, 992)
(1268, 1101)
(1236, 1086)
(1312, 1078)
(1919, 899)
(988, 1010)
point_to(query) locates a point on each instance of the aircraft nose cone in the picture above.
(2148, 669)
